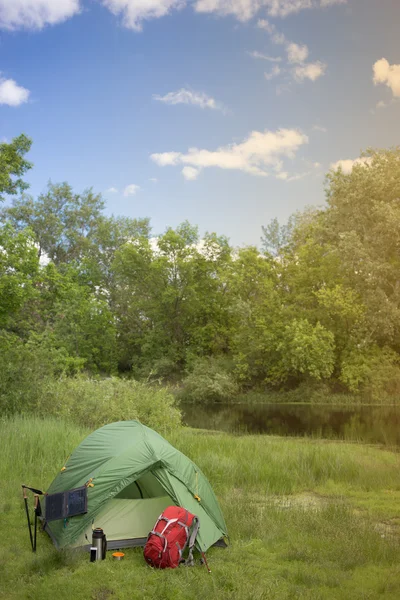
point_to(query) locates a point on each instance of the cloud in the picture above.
(284, 175)
(320, 128)
(256, 54)
(388, 75)
(184, 96)
(153, 179)
(134, 12)
(348, 164)
(244, 10)
(276, 37)
(35, 14)
(131, 189)
(260, 152)
(273, 73)
(296, 53)
(310, 71)
(166, 159)
(190, 173)
(111, 190)
(11, 93)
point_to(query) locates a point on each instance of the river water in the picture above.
(373, 424)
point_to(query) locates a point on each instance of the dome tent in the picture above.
(131, 475)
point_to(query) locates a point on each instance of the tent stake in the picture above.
(205, 561)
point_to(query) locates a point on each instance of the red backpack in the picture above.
(169, 538)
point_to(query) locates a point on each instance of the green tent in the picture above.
(131, 475)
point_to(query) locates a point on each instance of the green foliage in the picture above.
(95, 402)
(13, 165)
(170, 300)
(373, 372)
(79, 318)
(210, 380)
(63, 222)
(320, 305)
(18, 269)
(26, 368)
(307, 349)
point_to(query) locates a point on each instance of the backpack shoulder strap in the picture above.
(189, 562)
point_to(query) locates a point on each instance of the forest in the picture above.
(93, 306)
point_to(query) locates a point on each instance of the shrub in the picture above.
(209, 381)
(374, 372)
(26, 367)
(93, 403)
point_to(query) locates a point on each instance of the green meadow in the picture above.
(309, 519)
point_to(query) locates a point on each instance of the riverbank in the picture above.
(369, 424)
(310, 519)
(314, 397)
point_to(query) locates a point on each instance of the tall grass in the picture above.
(95, 402)
(332, 549)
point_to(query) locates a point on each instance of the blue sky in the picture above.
(184, 116)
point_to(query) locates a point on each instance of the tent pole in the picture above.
(36, 517)
(27, 515)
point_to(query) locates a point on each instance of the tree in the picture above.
(169, 298)
(63, 222)
(13, 165)
(19, 267)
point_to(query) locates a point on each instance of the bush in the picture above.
(25, 369)
(374, 373)
(93, 403)
(209, 381)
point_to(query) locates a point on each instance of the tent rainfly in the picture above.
(128, 475)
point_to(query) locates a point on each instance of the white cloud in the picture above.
(35, 14)
(153, 179)
(184, 96)
(256, 54)
(244, 10)
(348, 164)
(276, 37)
(284, 176)
(296, 54)
(11, 93)
(257, 154)
(190, 173)
(388, 75)
(134, 12)
(131, 189)
(166, 159)
(310, 71)
(111, 190)
(320, 128)
(325, 3)
(273, 73)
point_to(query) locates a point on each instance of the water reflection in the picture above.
(375, 424)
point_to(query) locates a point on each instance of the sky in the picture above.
(226, 113)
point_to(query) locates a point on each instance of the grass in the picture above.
(308, 519)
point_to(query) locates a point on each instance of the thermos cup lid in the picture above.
(98, 532)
